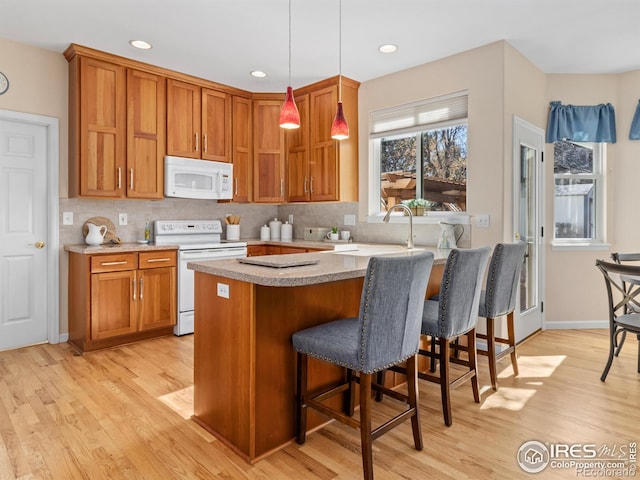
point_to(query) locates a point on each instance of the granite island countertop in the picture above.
(331, 266)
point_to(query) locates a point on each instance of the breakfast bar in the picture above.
(244, 364)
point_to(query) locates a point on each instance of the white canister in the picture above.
(265, 233)
(274, 227)
(286, 232)
(233, 232)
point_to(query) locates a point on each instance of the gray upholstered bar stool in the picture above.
(385, 333)
(499, 299)
(454, 314)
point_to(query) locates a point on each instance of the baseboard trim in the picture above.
(580, 325)
(64, 337)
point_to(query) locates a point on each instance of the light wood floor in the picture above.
(124, 414)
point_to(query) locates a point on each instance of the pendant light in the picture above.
(289, 115)
(340, 128)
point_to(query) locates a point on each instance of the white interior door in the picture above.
(25, 251)
(528, 143)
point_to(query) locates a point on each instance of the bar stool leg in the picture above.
(365, 425)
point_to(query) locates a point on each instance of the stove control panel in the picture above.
(187, 227)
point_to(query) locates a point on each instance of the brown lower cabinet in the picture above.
(120, 298)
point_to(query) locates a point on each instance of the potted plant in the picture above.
(417, 205)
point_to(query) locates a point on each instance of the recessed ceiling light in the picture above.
(141, 44)
(388, 48)
(258, 74)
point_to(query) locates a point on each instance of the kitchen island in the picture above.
(244, 363)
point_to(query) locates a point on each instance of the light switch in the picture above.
(349, 219)
(482, 220)
(67, 218)
(122, 219)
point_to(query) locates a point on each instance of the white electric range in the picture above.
(197, 240)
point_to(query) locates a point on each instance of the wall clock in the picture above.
(4, 83)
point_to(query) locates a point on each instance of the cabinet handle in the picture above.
(141, 288)
(204, 142)
(131, 179)
(197, 141)
(134, 287)
(236, 179)
(306, 180)
(311, 184)
(106, 264)
(153, 260)
(119, 178)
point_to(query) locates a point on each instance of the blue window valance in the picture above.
(634, 131)
(579, 123)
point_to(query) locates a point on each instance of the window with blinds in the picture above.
(420, 150)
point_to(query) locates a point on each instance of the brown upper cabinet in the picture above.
(146, 121)
(97, 125)
(198, 122)
(125, 116)
(320, 168)
(268, 150)
(116, 130)
(241, 148)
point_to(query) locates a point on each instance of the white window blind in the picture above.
(409, 117)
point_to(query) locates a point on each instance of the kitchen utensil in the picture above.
(111, 229)
(449, 238)
(96, 234)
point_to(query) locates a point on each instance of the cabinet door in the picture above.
(298, 155)
(216, 125)
(241, 135)
(146, 121)
(323, 167)
(113, 304)
(268, 167)
(157, 298)
(183, 119)
(256, 250)
(102, 128)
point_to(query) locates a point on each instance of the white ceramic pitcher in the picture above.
(449, 238)
(96, 234)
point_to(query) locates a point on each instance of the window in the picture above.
(420, 152)
(578, 170)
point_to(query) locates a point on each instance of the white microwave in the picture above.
(190, 178)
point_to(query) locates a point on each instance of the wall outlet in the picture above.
(67, 218)
(122, 219)
(349, 219)
(482, 220)
(291, 218)
(223, 290)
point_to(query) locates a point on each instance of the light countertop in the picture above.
(116, 248)
(331, 266)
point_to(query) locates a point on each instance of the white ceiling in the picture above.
(223, 40)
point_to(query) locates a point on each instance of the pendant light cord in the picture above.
(340, 52)
(290, 43)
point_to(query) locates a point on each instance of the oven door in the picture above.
(186, 276)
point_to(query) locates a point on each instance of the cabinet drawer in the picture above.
(157, 259)
(117, 262)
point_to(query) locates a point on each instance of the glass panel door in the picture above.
(528, 210)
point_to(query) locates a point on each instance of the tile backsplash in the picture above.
(253, 216)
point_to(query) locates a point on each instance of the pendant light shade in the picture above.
(340, 128)
(289, 115)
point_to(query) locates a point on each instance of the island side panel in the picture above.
(282, 311)
(224, 361)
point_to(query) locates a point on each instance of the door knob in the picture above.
(38, 244)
